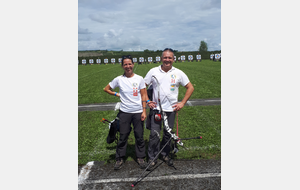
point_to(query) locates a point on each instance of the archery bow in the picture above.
(168, 129)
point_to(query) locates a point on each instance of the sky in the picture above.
(135, 25)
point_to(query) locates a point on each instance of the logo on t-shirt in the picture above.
(173, 77)
(135, 90)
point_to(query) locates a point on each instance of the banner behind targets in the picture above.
(198, 56)
(98, 60)
(158, 59)
(120, 60)
(113, 60)
(149, 59)
(134, 60)
(141, 59)
(91, 61)
(83, 61)
(190, 57)
(182, 57)
(105, 61)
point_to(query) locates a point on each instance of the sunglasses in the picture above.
(126, 57)
(169, 49)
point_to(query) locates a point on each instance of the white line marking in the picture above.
(172, 177)
(105, 151)
(84, 172)
(93, 106)
(135, 68)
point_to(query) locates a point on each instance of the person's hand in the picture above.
(118, 95)
(178, 106)
(143, 116)
(151, 104)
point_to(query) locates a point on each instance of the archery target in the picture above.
(141, 59)
(134, 60)
(174, 57)
(113, 60)
(98, 60)
(83, 61)
(190, 57)
(183, 57)
(149, 59)
(157, 58)
(211, 56)
(120, 60)
(91, 61)
(217, 56)
(198, 56)
(105, 60)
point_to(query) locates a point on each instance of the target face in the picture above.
(183, 57)
(190, 57)
(113, 60)
(157, 58)
(98, 60)
(120, 60)
(141, 59)
(217, 56)
(105, 60)
(149, 59)
(91, 61)
(134, 60)
(198, 56)
(174, 57)
(211, 56)
(83, 61)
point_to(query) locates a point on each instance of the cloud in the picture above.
(83, 31)
(155, 25)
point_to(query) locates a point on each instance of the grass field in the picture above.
(204, 75)
(193, 121)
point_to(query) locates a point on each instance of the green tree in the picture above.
(203, 46)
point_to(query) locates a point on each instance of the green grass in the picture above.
(193, 121)
(204, 75)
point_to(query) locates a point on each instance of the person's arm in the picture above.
(144, 99)
(189, 90)
(150, 103)
(108, 90)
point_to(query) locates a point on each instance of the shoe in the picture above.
(142, 163)
(168, 160)
(152, 165)
(119, 163)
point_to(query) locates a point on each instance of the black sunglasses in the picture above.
(169, 49)
(126, 57)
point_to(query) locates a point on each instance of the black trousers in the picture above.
(154, 138)
(126, 119)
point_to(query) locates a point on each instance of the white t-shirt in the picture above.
(131, 101)
(169, 84)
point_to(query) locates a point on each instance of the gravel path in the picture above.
(111, 106)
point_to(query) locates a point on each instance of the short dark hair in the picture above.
(167, 49)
